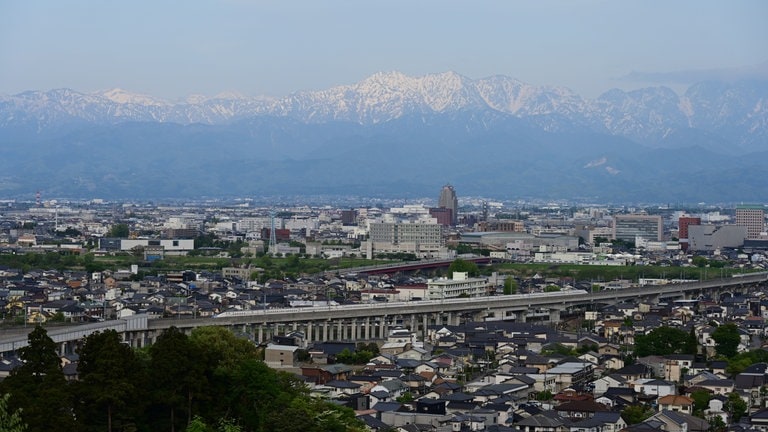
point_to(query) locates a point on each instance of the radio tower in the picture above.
(38, 199)
(272, 237)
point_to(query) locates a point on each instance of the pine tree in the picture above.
(38, 386)
(176, 374)
(108, 371)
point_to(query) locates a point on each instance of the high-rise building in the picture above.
(752, 217)
(629, 226)
(448, 200)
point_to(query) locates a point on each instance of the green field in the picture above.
(606, 273)
(277, 267)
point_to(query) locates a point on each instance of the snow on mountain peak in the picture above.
(650, 115)
(121, 96)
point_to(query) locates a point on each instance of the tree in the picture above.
(700, 261)
(510, 285)
(551, 288)
(664, 341)
(108, 372)
(225, 425)
(634, 414)
(692, 344)
(10, 421)
(256, 392)
(363, 354)
(405, 397)
(716, 423)
(176, 375)
(220, 347)
(736, 406)
(727, 340)
(38, 386)
(459, 265)
(558, 348)
(197, 425)
(120, 230)
(700, 401)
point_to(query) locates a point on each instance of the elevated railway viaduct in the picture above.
(373, 321)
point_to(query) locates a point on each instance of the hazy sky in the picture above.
(175, 48)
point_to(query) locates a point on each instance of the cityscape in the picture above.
(266, 216)
(441, 313)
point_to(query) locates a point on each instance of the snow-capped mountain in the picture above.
(735, 112)
(391, 132)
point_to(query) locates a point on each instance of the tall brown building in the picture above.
(683, 224)
(448, 200)
(443, 215)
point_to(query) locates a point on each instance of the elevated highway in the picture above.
(372, 321)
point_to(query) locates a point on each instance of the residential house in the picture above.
(601, 385)
(393, 387)
(342, 387)
(752, 380)
(608, 421)
(278, 356)
(655, 387)
(546, 421)
(571, 374)
(681, 422)
(759, 420)
(634, 372)
(677, 403)
(580, 409)
(718, 386)
(326, 373)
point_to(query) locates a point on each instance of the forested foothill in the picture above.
(208, 381)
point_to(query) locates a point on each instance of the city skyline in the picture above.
(268, 48)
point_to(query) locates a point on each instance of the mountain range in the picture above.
(397, 136)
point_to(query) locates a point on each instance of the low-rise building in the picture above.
(460, 285)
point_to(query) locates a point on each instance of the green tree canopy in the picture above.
(38, 386)
(221, 348)
(700, 401)
(726, 339)
(210, 381)
(634, 414)
(108, 383)
(459, 265)
(510, 285)
(664, 341)
(120, 230)
(736, 406)
(177, 373)
(10, 421)
(363, 354)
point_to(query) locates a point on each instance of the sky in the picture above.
(172, 49)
